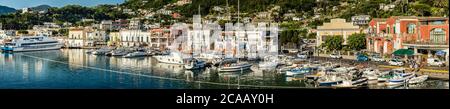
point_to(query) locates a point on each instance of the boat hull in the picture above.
(330, 83)
(24, 49)
(234, 69)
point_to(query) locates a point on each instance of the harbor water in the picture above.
(74, 69)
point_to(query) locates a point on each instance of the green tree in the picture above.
(311, 36)
(356, 41)
(333, 42)
(64, 32)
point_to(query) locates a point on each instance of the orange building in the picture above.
(425, 35)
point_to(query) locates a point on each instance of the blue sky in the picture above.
(18, 4)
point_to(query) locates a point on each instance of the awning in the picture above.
(402, 52)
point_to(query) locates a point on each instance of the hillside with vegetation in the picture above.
(5, 10)
(311, 12)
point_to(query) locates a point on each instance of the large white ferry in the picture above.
(31, 43)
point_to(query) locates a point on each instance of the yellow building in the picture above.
(114, 39)
(335, 27)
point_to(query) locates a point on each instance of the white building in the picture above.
(86, 37)
(237, 40)
(76, 38)
(130, 38)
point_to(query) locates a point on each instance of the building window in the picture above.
(411, 28)
(439, 22)
(437, 35)
(388, 30)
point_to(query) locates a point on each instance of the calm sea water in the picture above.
(74, 69)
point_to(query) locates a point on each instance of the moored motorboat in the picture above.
(234, 67)
(193, 63)
(135, 54)
(345, 84)
(329, 81)
(119, 53)
(399, 79)
(298, 71)
(101, 51)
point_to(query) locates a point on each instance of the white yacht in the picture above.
(31, 43)
(171, 58)
(135, 54)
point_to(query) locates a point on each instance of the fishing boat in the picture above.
(419, 79)
(370, 73)
(232, 67)
(345, 84)
(193, 63)
(135, 54)
(329, 81)
(31, 43)
(298, 71)
(360, 81)
(399, 79)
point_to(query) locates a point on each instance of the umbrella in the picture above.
(402, 52)
(440, 53)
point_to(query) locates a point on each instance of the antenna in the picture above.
(228, 10)
(199, 10)
(238, 12)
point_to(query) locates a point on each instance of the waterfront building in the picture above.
(160, 38)
(335, 27)
(76, 38)
(235, 40)
(96, 37)
(131, 38)
(425, 35)
(114, 39)
(86, 37)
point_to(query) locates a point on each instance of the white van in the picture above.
(435, 62)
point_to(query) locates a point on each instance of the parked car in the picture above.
(396, 62)
(335, 55)
(435, 62)
(377, 58)
(361, 57)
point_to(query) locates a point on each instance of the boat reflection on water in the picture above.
(73, 68)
